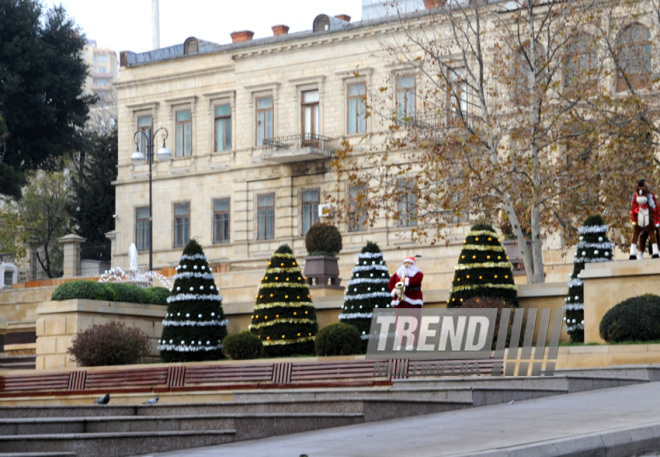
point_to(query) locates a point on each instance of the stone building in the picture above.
(252, 126)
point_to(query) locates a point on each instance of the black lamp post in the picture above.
(138, 158)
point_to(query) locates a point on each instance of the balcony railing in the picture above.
(297, 148)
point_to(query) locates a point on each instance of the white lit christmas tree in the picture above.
(367, 289)
(594, 246)
(195, 324)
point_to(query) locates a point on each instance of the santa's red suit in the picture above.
(411, 276)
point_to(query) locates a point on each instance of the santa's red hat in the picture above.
(410, 259)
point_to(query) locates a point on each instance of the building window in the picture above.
(183, 133)
(102, 58)
(144, 126)
(310, 117)
(581, 64)
(357, 220)
(634, 58)
(310, 208)
(357, 108)
(457, 96)
(221, 220)
(222, 128)
(405, 98)
(406, 203)
(264, 119)
(266, 217)
(181, 224)
(142, 223)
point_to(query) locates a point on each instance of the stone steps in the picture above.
(124, 430)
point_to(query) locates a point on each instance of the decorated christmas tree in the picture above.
(367, 289)
(593, 246)
(483, 269)
(284, 316)
(195, 324)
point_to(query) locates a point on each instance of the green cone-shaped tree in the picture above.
(195, 324)
(367, 289)
(483, 269)
(284, 316)
(594, 246)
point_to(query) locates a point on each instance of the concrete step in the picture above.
(114, 444)
(646, 372)
(247, 426)
(38, 454)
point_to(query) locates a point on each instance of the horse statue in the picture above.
(642, 220)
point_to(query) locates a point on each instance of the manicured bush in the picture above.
(157, 295)
(109, 344)
(129, 293)
(242, 346)
(634, 319)
(88, 290)
(323, 239)
(338, 339)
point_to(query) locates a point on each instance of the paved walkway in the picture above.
(612, 422)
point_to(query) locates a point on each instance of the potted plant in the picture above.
(323, 242)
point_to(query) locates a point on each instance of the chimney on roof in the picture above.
(344, 17)
(280, 30)
(243, 35)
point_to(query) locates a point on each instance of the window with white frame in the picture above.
(221, 220)
(266, 216)
(457, 95)
(405, 98)
(183, 133)
(264, 118)
(181, 224)
(310, 208)
(406, 204)
(356, 103)
(357, 220)
(144, 126)
(633, 50)
(310, 117)
(222, 122)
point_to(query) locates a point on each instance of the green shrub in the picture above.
(637, 318)
(157, 295)
(129, 293)
(89, 290)
(109, 344)
(338, 339)
(242, 346)
(323, 239)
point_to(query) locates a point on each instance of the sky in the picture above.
(125, 25)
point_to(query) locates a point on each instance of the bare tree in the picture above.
(514, 120)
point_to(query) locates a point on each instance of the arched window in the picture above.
(633, 48)
(191, 46)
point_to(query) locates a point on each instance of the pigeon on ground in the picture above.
(151, 401)
(104, 400)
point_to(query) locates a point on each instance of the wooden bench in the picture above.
(332, 370)
(34, 382)
(131, 378)
(228, 374)
(472, 367)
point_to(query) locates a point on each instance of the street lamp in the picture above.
(138, 158)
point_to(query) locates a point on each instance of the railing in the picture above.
(95, 251)
(303, 140)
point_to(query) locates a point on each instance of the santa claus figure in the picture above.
(406, 285)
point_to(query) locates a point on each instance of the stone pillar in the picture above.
(71, 250)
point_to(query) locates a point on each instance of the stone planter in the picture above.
(321, 270)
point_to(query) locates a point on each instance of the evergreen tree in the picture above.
(284, 315)
(483, 269)
(195, 324)
(594, 246)
(367, 289)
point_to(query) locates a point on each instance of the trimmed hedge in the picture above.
(338, 339)
(634, 319)
(242, 346)
(323, 239)
(111, 291)
(109, 344)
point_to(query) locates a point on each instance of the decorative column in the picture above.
(71, 250)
